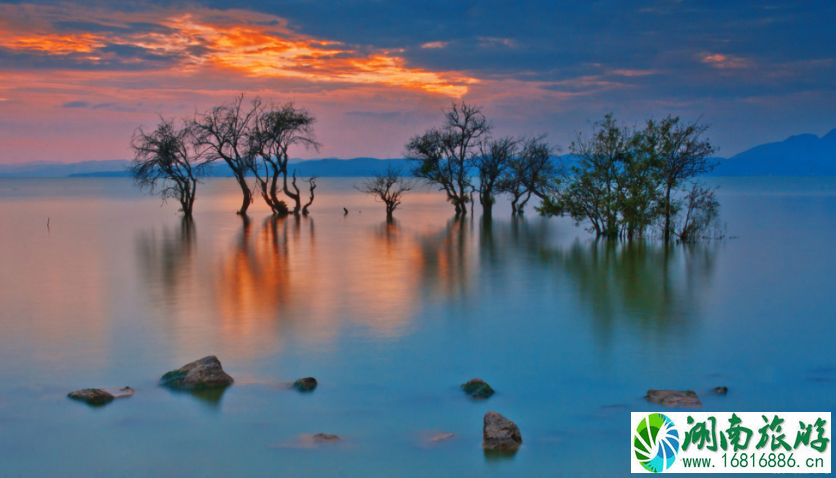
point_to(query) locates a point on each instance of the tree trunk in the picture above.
(248, 196)
(668, 213)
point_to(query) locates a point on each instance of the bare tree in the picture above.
(492, 162)
(701, 209)
(533, 171)
(443, 156)
(681, 153)
(311, 186)
(388, 187)
(276, 129)
(167, 162)
(223, 131)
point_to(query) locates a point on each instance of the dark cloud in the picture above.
(388, 115)
(76, 104)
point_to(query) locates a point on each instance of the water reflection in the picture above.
(167, 262)
(285, 279)
(446, 265)
(655, 287)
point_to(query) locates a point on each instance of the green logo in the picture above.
(656, 443)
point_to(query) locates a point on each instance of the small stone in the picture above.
(307, 384)
(478, 389)
(198, 375)
(499, 433)
(441, 437)
(722, 390)
(92, 396)
(325, 438)
(674, 398)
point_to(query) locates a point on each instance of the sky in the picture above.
(78, 77)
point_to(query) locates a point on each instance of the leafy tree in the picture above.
(613, 185)
(682, 154)
(388, 187)
(443, 155)
(168, 162)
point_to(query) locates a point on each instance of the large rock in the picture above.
(477, 388)
(499, 433)
(674, 398)
(198, 375)
(307, 384)
(98, 396)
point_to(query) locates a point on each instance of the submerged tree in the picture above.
(443, 155)
(224, 131)
(682, 155)
(613, 186)
(533, 171)
(388, 187)
(624, 182)
(276, 129)
(492, 162)
(168, 162)
(700, 211)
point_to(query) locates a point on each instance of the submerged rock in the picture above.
(674, 398)
(325, 438)
(499, 433)
(98, 396)
(441, 437)
(198, 375)
(92, 396)
(477, 388)
(307, 384)
(722, 390)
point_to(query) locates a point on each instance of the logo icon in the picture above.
(656, 443)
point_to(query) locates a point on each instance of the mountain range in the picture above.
(801, 155)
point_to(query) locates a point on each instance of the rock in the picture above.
(325, 438)
(477, 388)
(198, 375)
(722, 390)
(674, 398)
(92, 396)
(120, 392)
(99, 396)
(307, 384)
(499, 433)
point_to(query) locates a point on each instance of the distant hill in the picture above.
(61, 170)
(802, 155)
(330, 167)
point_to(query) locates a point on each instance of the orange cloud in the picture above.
(53, 43)
(199, 40)
(434, 44)
(725, 61)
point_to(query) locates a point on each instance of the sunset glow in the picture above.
(197, 45)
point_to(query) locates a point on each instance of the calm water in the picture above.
(390, 320)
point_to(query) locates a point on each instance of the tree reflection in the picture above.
(168, 262)
(445, 265)
(254, 280)
(648, 285)
(655, 286)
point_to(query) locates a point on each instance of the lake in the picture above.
(391, 319)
